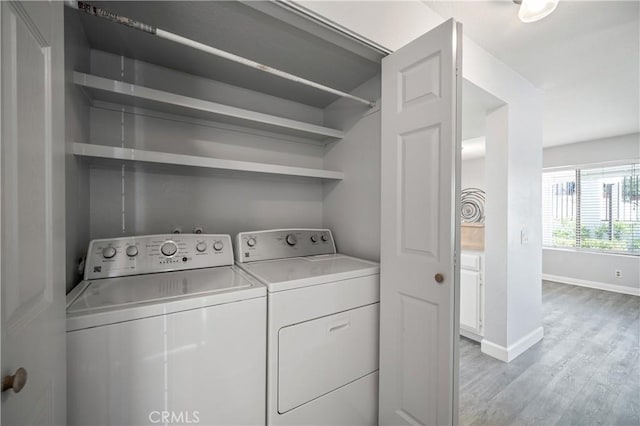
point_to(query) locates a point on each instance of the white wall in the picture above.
(524, 215)
(597, 151)
(516, 195)
(472, 174)
(566, 265)
(513, 295)
(592, 269)
(496, 234)
(394, 24)
(585, 268)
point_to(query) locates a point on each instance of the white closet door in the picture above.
(32, 210)
(420, 193)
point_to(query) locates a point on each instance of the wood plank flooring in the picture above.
(586, 370)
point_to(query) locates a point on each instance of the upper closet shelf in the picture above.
(130, 94)
(143, 157)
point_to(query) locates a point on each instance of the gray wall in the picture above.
(352, 207)
(77, 172)
(125, 201)
(111, 200)
(115, 67)
(580, 266)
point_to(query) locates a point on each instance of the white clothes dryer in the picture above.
(165, 330)
(323, 327)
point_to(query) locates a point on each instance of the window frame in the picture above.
(578, 168)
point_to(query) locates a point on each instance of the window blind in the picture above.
(559, 202)
(609, 209)
(593, 209)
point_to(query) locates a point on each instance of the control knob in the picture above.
(251, 242)
(132, 251)
(217, 246)
(201, 246)
(108, 252)
(314, 238)
(169, 248)
(324, 237)
(291, 239)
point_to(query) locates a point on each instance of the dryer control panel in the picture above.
(282, 244)
(117, 257)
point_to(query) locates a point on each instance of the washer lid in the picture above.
(109, 300)
(286, 274)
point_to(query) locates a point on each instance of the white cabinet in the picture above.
(472, 294)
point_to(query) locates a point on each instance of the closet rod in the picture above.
(114, 17)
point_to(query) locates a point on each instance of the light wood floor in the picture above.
(586, 370)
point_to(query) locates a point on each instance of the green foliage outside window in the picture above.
(564, 235)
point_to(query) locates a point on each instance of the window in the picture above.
(592, 209)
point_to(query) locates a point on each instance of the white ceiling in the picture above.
(585, 56)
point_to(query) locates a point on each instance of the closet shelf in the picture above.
(138, 156)
(119, 92)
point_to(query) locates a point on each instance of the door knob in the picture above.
(439, 277)
(15, 382)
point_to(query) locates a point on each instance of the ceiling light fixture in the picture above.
(534, 10)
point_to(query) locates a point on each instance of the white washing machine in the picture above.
(323, 327)
(165, 330)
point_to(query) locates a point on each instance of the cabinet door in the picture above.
(419, 219)
(470, 300)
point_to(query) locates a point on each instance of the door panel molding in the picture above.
(19, 311)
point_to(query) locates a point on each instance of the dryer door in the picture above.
(321, 355)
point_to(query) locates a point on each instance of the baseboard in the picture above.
(470, 335)
(513, 351)
(592, 284)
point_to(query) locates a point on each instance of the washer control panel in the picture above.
(117, 257)
(283, 243)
